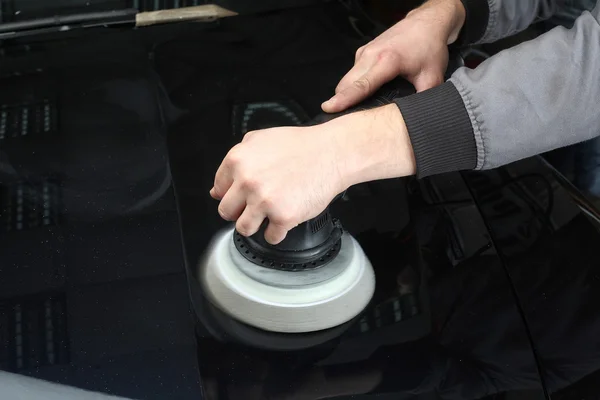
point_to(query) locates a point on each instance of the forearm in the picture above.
(530, 99)
(535, 97)
(372, 144)
(490, 20)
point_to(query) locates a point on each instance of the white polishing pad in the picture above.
(291, 309)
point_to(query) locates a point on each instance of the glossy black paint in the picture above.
(93, 291)
(549, 245)
(115, 213)
(426, 333)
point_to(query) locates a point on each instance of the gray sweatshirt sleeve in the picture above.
(489, 20)
(532, 98)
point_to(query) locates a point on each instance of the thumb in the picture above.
(361, 88)
(354, 93)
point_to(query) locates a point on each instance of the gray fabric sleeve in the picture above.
(508, 17)
(537, 96)
(532, 98)
(489, 20)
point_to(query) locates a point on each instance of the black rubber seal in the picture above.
(262, 254)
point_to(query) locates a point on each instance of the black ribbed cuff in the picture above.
(476, 22)
(440, 130)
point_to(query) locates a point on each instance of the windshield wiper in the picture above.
(127, 17)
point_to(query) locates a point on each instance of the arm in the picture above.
(490, 20)
(416, 48)
(535, 97)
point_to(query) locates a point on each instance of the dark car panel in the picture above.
(441, 286)
(93, 292)
(109, 141)
(549, 246)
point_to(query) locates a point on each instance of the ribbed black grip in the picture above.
(385, 95)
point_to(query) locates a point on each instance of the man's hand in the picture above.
(287, 174)
(291, 174)
(415, 48)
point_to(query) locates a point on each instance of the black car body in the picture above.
(487, 282)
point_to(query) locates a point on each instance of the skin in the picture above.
(416, 48)
(291, 174)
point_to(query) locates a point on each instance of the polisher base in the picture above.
(287, 301)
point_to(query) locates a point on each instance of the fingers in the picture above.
(275, 233)
(355, 73)
(232, 204)
(250, 220)
(361, 66)
(347, 81)
(224, 175)
(361, 88)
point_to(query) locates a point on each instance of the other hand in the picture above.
(416, 48)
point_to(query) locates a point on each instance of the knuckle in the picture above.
(234, 157)
(359, 52)
(267, 203)
(363, 84)
(387, 56)
(249, 135)
(284, 220)
(368, 51)
(250, 184)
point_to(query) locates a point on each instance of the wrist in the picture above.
(447, 15)
(372, 145)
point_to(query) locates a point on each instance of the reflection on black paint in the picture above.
(443, 322)
(439, 325)
(93, 128)
(555, 269)
(92, 281)
(34, 332)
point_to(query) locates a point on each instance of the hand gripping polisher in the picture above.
(317, 278)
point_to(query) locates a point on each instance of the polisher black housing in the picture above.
(310, 245)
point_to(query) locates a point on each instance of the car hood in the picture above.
(110, 142)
